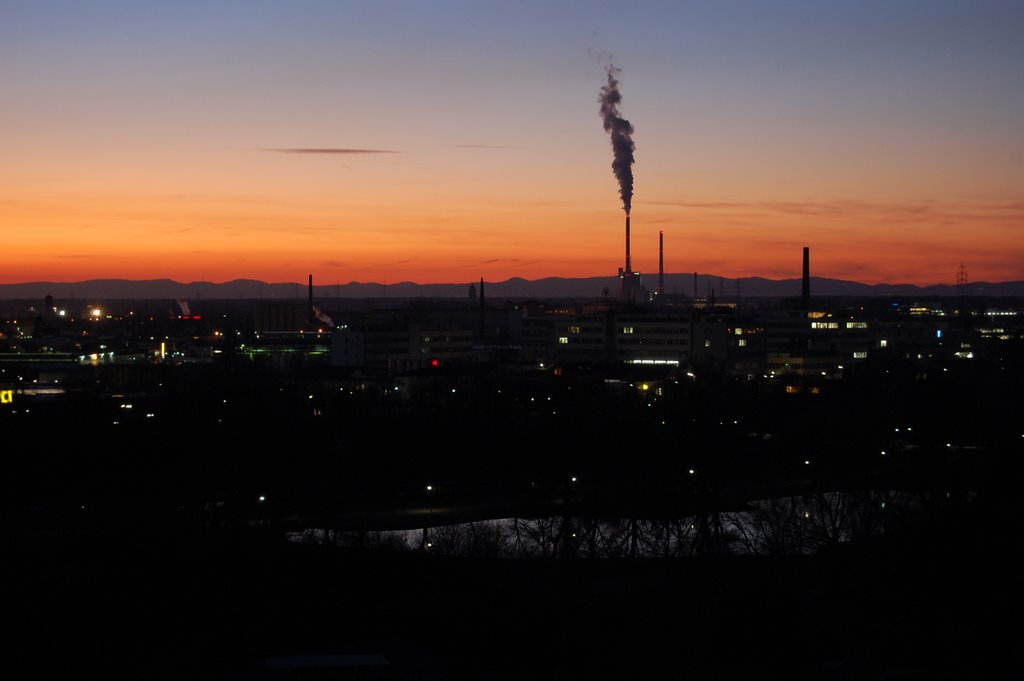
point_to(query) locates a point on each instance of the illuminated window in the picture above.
(739, 332)
(627, 329)
(743, 342)
(883, 343)
(860, 355)
(707, 343)
(564, 340)
(856, 325)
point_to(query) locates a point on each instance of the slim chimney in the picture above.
(309, 311)
(806, 295)
(482, 311)
(661, 263)
(629, 267)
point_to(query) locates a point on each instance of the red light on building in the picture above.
(435, 363)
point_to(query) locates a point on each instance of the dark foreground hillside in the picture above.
(939, 603)
(163, 546)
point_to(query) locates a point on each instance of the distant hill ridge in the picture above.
(550, 287)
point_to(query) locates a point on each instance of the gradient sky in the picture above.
(187, 139)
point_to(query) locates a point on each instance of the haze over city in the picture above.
(448, 141)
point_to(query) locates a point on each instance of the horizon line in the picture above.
(612, 277)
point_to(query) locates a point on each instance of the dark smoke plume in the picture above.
(622, 140)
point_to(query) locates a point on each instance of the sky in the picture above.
(448, 140)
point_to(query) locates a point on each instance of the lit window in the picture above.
(574, 329)
(707, 343)
(743, 342)
(627, 329)
(564, 340)
(883, 343)
(739, 332)
(860, 355)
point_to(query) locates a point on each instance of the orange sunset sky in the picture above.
(447, 141)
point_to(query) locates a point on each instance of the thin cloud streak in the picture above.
(332, 150)
(478, 146)
(930, 211)
(515, 262)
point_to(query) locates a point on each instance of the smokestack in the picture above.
(806, 295)
(311, 316)
(482, 312)
(661, 263)
(629, 268)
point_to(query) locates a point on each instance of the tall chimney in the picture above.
(309, 310)
(482, 310)
(629, 267)
(661, 263)
(806, 297)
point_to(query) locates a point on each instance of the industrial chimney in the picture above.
(309, 310)
(629, 267)
(483, 311)
(661, 263)
(806, 295)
